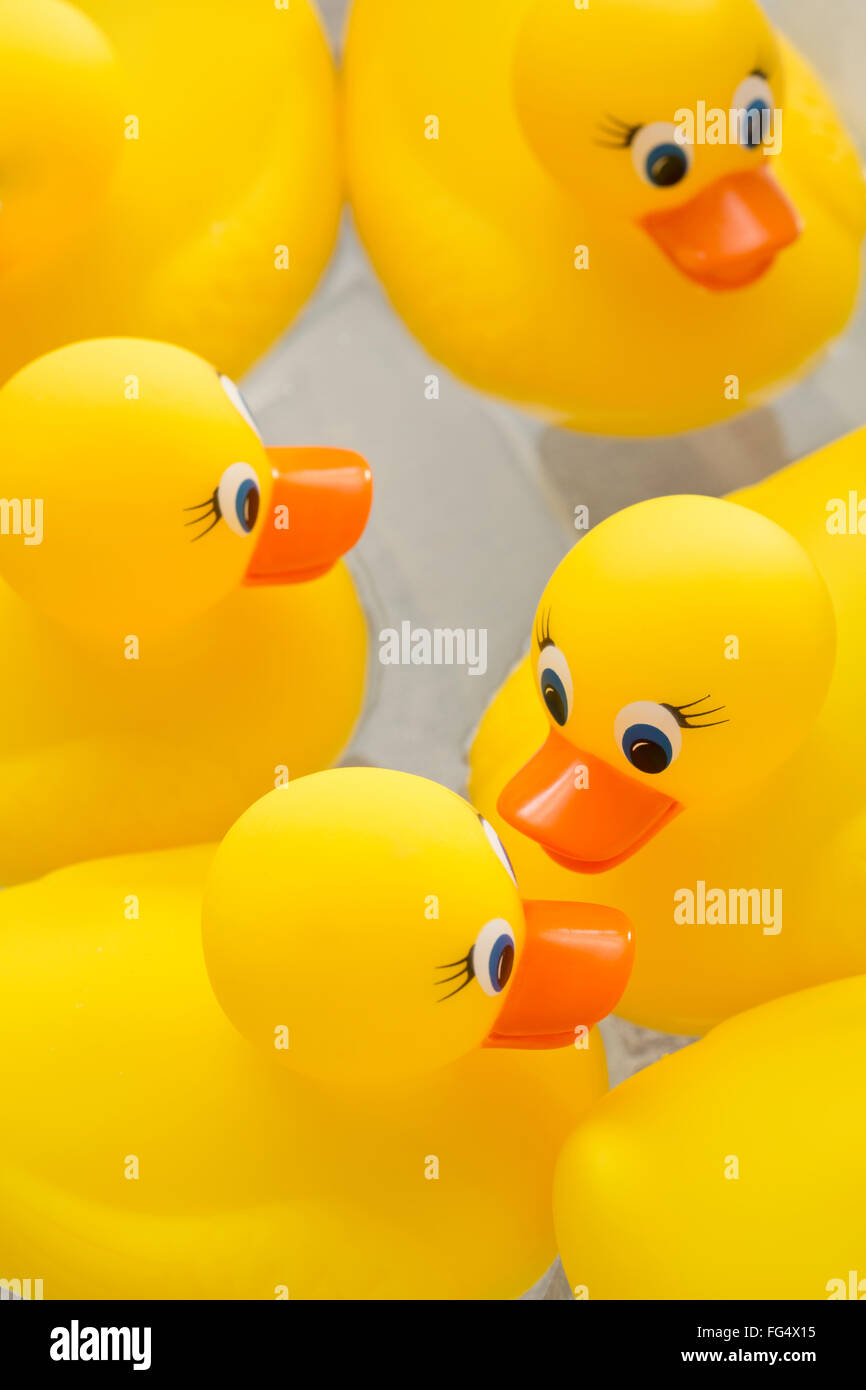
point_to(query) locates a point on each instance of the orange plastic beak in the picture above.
(319, 507)
(586, 815)
(730, 233)
(575, 964)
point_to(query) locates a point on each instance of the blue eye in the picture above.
(648, 735)
(493, 956)
(247, 504)
(554, 681)
(666, 164)
(500, 963)
(752, 99)
(647, 748)
(659, 155)
(753, 125)
(553, 694)
(238, 497)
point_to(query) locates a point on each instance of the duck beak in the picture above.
(319, 507)
(730, 233)
(584, 813)
(575, 964)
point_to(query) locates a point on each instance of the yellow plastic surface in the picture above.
(475, 225)
(733, 1169)
(109, 746)
(773, 800)
(155, 158)
(419, 1166)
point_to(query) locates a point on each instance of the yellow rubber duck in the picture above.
(389, 1123)
(683, 650)
(543, 190)
(733, 1169)
(165, 666)
(164, 174)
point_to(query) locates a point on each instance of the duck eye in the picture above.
(498, 849)
(555, 683)
(659, 156)
(754, 101)
(238, 498)
(493, 956)
(648, 735)
(237, 400)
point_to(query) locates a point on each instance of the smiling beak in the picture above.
(319, 507)
(572, 971)
(730, 233)
(584, 813)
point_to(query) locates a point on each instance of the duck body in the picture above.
(751, 1140)
(168, 748)
(522, 250)
(160, 1154)
(165, 582)
(790, 833)
(207, 149)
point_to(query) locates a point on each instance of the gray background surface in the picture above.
(474, 500)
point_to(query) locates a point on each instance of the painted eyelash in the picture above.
(209, 508)
(542, 632)
(617, 134)
(678, 712)
(467, 968)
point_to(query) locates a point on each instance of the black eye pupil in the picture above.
(251, 508)
(647, 756)
(505, 966)
(554, 702)
(667, 168)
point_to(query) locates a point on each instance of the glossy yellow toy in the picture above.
(733, 1169)
(164, 663)
(690, 647)
(388, 1127)
(168, 171)
(519, 183)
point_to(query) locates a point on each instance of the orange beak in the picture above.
(730, 233)
(586, 815)
(319, 507)
(574, 967)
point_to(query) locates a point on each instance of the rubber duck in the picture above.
(701, 739)
(563, 209)
(163, 177)
(180, 636)
(335, 1057)
(697, 1169)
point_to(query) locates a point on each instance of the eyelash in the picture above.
(466, 968)
(542, 632)
(544, 639)
(618, 134)
(213, 509)
(683, 719)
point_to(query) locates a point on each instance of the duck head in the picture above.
(158, 497)
(61, 127)
(374, 918)
(617, 101)
(682, 650)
